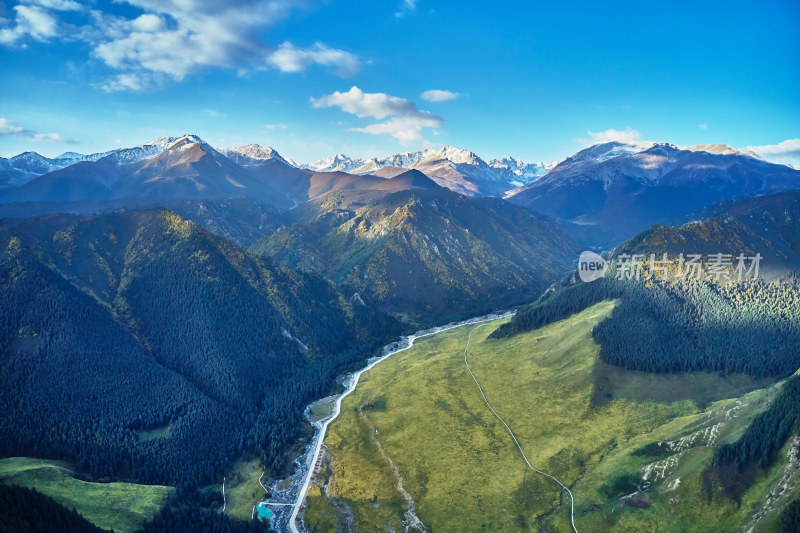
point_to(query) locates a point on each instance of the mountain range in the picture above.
(424, 251)
(460, 170)
(609, 192)
(206, 296)
(580, 190)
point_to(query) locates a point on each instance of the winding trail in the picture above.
(350, 386)
(564, 487)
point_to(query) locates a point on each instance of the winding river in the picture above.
(305, 465)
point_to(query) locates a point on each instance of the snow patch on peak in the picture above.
(525, 172)
(161, 141)
(33, 162)
(252, 154)
(178, 141)
(70, 155)
(334, 163)
(722, 149)
(454, 155)
(600, 152)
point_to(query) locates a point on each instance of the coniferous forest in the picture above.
(29, 511)
(752, 327)
(144, 321)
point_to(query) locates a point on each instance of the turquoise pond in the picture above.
(263, 511)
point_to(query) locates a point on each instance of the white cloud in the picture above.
(361, 104)
(130, 82)
(703, 126)
(408, 6)
(9, 128)
(289, 58)
(436, 95)
(407, 121)
(31, 21)
(406, 129)
(786, 152)
(171, 39)
(59, 5)
(609, 135)
(51, 137)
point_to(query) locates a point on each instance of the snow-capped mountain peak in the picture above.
(34, 163)
(453, 154)
(455, 168)
(600, 152)
(334, 163)
(722, 149)
(252, 154)
(169, 143)
(525, 172)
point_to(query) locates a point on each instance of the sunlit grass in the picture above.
(242, 489)
(123, 507)
(464, 472)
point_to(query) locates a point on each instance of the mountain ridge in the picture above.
(606, 194)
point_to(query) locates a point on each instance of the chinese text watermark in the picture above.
(718, 267)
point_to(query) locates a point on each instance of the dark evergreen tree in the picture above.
(24, 510)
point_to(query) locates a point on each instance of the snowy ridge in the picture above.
(252, 154)
(418, 159)
(525, 172)
(34, 164)
(459, 170)
(334, 163)
(507, 170)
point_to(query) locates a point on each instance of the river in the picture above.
(290, 494)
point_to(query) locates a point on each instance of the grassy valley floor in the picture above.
(417, 435)
(123, 507)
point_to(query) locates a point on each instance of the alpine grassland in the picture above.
(635, 448)
(242, 489)
(123, 507)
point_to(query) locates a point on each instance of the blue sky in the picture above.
(312, 78)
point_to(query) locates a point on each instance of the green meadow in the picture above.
(242, 489)
(123, 507)
(581, 421)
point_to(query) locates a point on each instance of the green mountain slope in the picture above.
(668, 324)
(240, 219)
(141, 320)
(428, 254)
(633, 447)
(768, 225)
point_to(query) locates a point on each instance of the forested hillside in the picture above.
(697, 323)
(141, 320)
(28, 511)
(751, 327)
(677, 318)
(768, 225)
(738, 463)
(432, 255)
